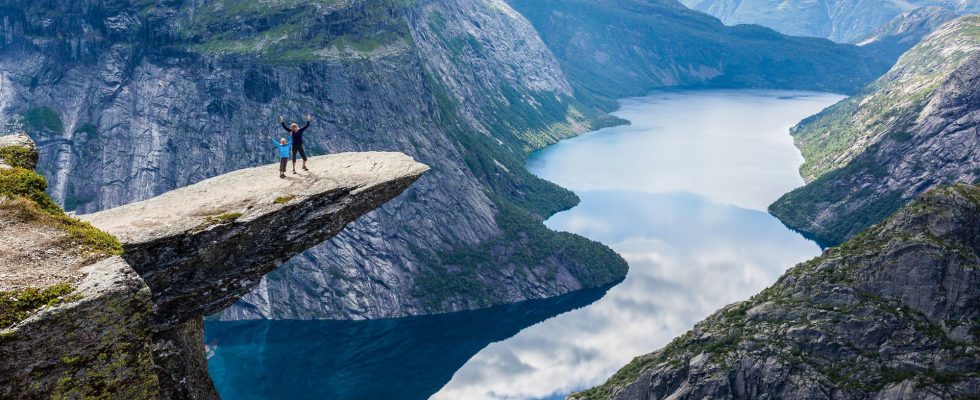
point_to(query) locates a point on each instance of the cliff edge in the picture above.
(112, 303)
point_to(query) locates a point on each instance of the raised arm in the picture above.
(308, 119)
(284, 126)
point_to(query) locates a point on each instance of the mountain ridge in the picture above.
(911, 130)
(627, 48)
(847, 21)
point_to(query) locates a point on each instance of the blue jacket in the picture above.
(283, 148)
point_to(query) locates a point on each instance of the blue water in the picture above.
(680, 193)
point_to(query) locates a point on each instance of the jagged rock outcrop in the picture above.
(131, 325)
(128, 101)
(913, 129)
(839, 20)
(891, 314)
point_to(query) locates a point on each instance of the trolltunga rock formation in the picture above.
(133, 328)
(202, 247)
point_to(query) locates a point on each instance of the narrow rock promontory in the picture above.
(125, 319)
(201, 247)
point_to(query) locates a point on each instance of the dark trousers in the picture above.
(282, 164)
(298, 148)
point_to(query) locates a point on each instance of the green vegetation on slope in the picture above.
(43, 120)
(18, 157)
(522, 201)
(293, 31)
(22, 192)
(455, 272)
(796, 207)
(832, 138)
(23, 200)
(870, 154)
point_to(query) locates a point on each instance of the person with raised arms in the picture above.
(297, 138)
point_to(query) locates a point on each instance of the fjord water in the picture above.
(680, 193)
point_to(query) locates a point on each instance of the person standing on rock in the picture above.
(283, 145)
(297, 138)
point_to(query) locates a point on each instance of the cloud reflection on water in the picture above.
(688, 256)
(679, 193)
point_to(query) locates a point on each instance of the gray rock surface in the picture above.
(98, 345)
(131, 326)
(891, 314)
(201, 247)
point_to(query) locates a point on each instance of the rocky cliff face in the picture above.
(911, 130)
(622, 48)
(131, 99)
(906, 30)
(128, 322)
(891, 314)
(847, 21)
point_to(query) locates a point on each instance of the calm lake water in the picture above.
(680, 193)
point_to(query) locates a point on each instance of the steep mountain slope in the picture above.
(906, 30)
(845, 21)
(130, 99)
(891, 314)
(911, 130)
(620, 48)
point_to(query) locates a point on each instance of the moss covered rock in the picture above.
(18, 151)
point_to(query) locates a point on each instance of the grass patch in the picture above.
(96, 243)
(626, 375)
(43, 120)
(218, 219)
(89, 129)
(284, 199)
(225, 218)
(16, 156)
(17, 305)
(22, 182)
(292, 32)
(25, 190)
